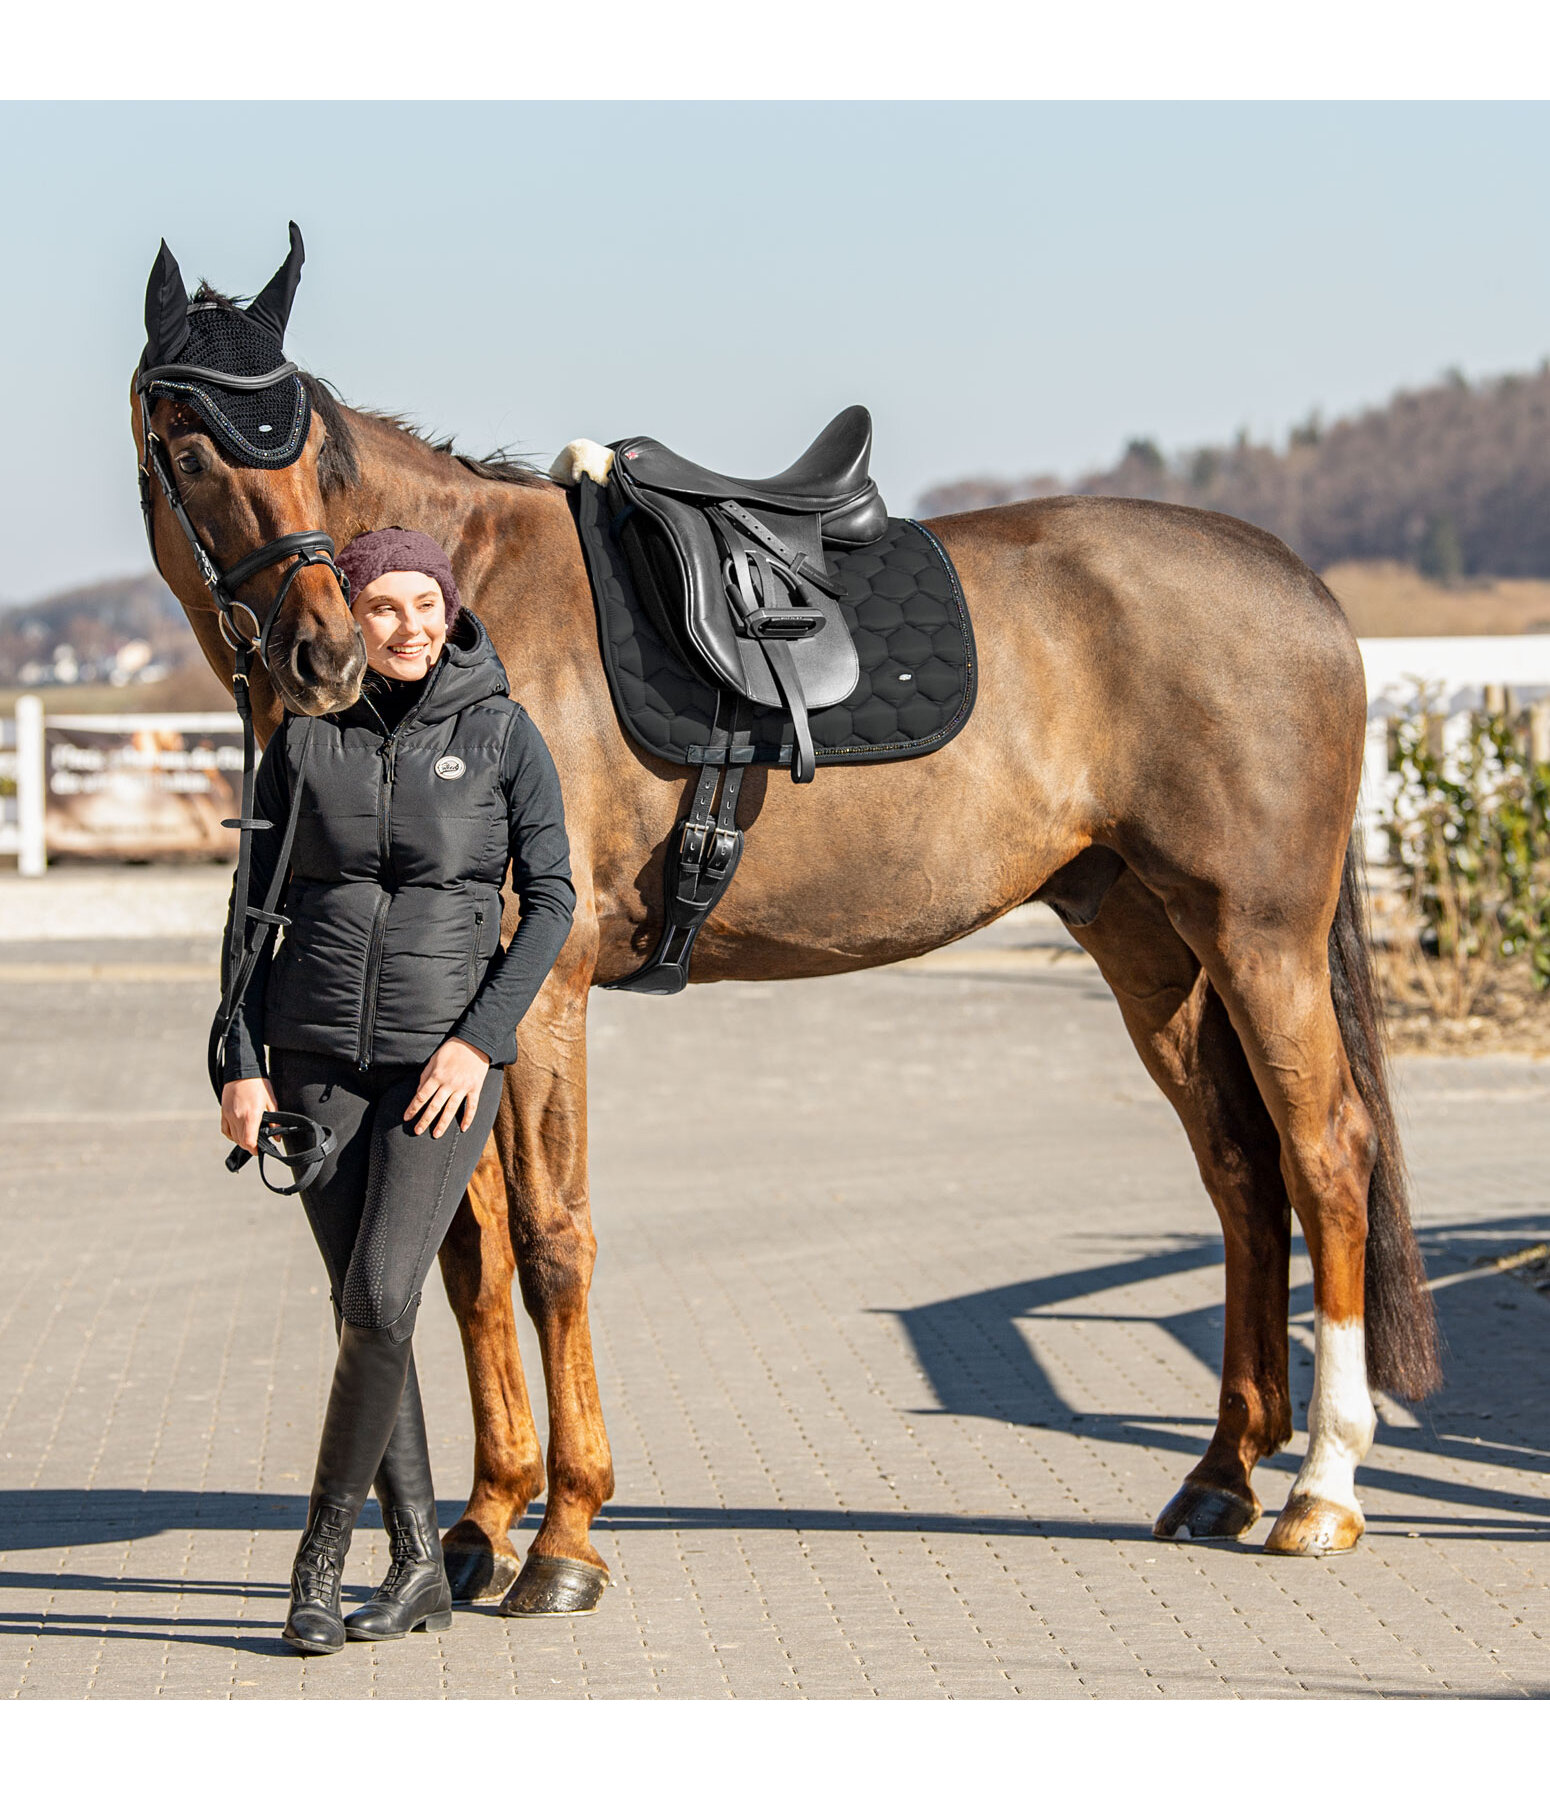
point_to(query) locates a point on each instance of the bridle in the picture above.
(304, 549)
(245, 945)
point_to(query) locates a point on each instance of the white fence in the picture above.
(200, 766)
(1461, 669)
(21, 764)
(117, 786)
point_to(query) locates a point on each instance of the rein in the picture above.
(250, 926)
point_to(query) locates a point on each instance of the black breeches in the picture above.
(385, 1197)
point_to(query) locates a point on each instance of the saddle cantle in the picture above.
(788, 620)
(734, 572)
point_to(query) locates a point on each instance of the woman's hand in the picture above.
(451, 1079)
(243, 1105)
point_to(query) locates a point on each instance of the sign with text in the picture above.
(139, 786)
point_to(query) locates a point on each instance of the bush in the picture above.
(1470, 836)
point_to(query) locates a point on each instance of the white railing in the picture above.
(21, 763)
(1461, 668)
(130, 786)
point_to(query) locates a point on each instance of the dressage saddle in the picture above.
(733, 572)
(742, 606)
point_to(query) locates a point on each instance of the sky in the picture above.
(1011, 287)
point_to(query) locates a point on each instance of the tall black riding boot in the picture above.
(414, 1595)
(362, 1409)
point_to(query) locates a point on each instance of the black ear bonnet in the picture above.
(228, 363)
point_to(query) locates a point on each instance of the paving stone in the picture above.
(892, 1403)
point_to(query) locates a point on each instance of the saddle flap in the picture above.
(676, 559)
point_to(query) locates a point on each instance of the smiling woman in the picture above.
(386, 1006)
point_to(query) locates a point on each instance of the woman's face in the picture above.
(403, 619)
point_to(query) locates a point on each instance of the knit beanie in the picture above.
(395, 550)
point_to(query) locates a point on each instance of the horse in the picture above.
(1166, 747)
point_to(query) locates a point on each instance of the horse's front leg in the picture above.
(476, 1266)
(543, 1142)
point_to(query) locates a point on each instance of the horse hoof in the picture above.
(1198, 1511)
(1309, 1526)
(480, 1571)
(551, 1585)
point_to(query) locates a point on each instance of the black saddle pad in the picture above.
(901, 600)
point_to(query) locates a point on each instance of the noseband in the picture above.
(303, 549)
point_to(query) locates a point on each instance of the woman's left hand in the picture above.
(451, 1079)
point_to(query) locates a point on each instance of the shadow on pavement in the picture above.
(55, 1518)
(1489, 1418)
(1490, 1413)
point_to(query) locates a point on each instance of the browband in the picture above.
(165, 372)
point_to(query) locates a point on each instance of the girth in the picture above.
(701, 859)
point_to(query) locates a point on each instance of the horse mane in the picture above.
(339, 464)
(501, 464)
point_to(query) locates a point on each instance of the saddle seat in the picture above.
(733, 574)
(829, 477)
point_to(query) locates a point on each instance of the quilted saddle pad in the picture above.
(905, 610)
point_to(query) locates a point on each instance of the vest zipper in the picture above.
(473, 951)
(373, 971)
(389, 755)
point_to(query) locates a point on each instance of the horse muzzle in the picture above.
(317, 670)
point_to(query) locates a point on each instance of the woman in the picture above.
(384, 1009)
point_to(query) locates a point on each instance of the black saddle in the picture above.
(733, 572)
(729, 610)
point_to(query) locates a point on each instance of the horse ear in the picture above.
(273, 306)
(166, 309)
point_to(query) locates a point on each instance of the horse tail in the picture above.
(1401, 1322)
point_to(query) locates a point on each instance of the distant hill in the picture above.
(82, 635)
(1453, 480)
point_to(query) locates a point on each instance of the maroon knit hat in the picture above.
(393, 550)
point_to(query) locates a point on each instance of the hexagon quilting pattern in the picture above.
(906, 612)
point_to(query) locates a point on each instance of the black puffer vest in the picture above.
(401, 847)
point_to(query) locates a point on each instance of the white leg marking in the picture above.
(1341, 1419)
(582, 457)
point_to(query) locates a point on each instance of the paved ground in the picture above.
(891, 1410)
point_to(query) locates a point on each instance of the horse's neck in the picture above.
(477, 521)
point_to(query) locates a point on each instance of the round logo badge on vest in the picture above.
(450, 767)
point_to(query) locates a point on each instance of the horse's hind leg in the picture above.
(1273, 974)
(1181, 1029)
(476, 1266)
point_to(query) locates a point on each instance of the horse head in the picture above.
(229, 443)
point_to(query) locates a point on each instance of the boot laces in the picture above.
(317, 1569)
(407, 1556)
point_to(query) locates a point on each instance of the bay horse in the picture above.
(1166, 747)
